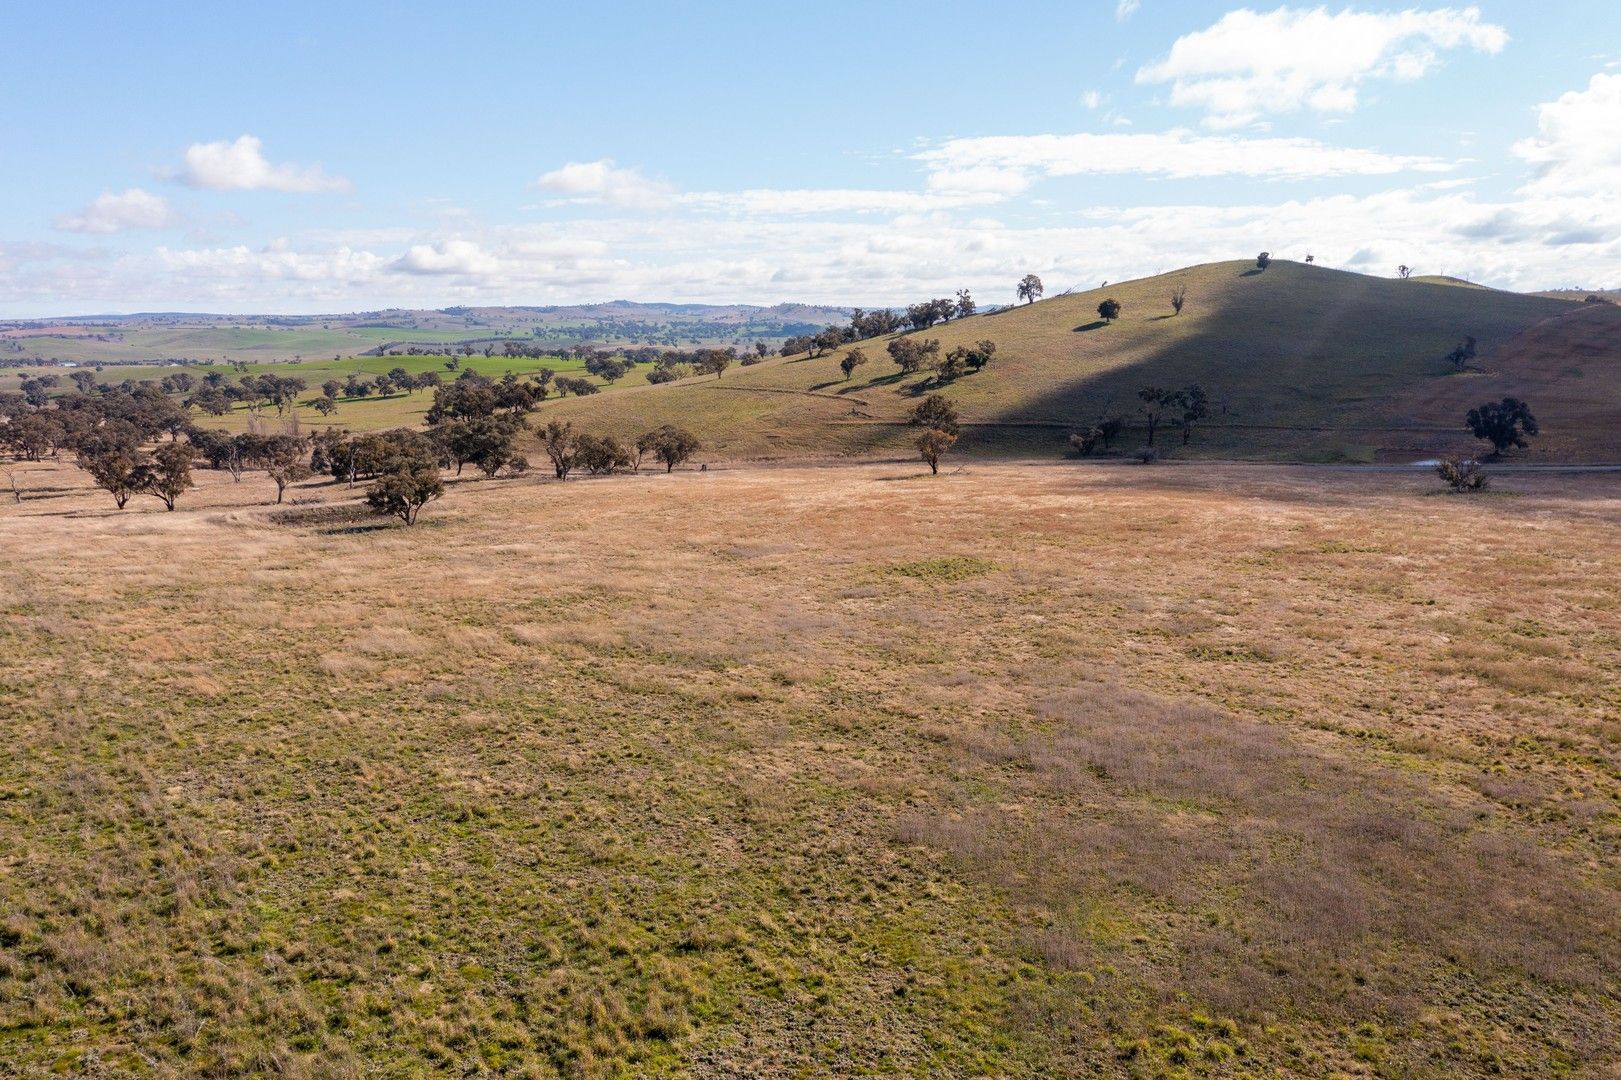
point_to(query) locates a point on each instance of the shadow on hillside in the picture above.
(1299, 364)
(1095, 324)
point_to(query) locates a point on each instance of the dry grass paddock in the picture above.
(1039, 770)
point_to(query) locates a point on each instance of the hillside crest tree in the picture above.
(1030, 289)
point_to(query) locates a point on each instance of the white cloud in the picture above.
(1008, 162)
(798, 201)
(1577, 148)
(1250, 64)
(275, 263)
(604, 182)
(1126, 9)
(460, 257)
(110, 213)
(1092, 99)
(1522, 241)
(241, 166)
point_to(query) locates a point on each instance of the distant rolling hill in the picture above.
(161, 336)
(1301, 363)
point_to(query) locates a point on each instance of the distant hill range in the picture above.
(158, 336)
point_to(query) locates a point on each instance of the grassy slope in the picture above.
(1307, 361)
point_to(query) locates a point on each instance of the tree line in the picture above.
(140, 441)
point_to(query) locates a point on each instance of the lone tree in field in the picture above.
(1192, 406)
(113, 468)
(1263, 260)
(671, 445)
(562, 446)
(852, 360)
(1030, 289)
(1154, 399)
(1109, 310)
(286, 458)
(168, 474)
(1459, 357)
(1179, 296)
(1404, 272)
(937, 413)
(404, 491)
(932, 444)
(1504, 424)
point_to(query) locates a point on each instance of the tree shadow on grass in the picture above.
(1095, 324)
(1254, 271)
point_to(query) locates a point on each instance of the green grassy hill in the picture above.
(1300, 362)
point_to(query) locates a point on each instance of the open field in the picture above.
(1022, 770)
(1300, 363)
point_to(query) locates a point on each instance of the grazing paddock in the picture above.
(1021, 770)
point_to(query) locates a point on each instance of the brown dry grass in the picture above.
(1022, 770)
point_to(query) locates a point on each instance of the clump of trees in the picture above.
(1505, 424)
(912, 355)
(670, 445)
(1186, 407)
(600, 454)
(406, 484)
(864, 325)
(569, 450)
(1100, 434)
(116, 462)
(285, 458)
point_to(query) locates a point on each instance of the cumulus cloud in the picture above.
(604, 182)
(1250, 64)
(112, 213)
(242, 166)
(1006, 163)
(1577, 148)
(458, 257)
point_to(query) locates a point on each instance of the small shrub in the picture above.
(1461, 474)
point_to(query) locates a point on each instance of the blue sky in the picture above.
(316, 157)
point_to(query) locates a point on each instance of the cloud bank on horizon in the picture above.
(1295, 130)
